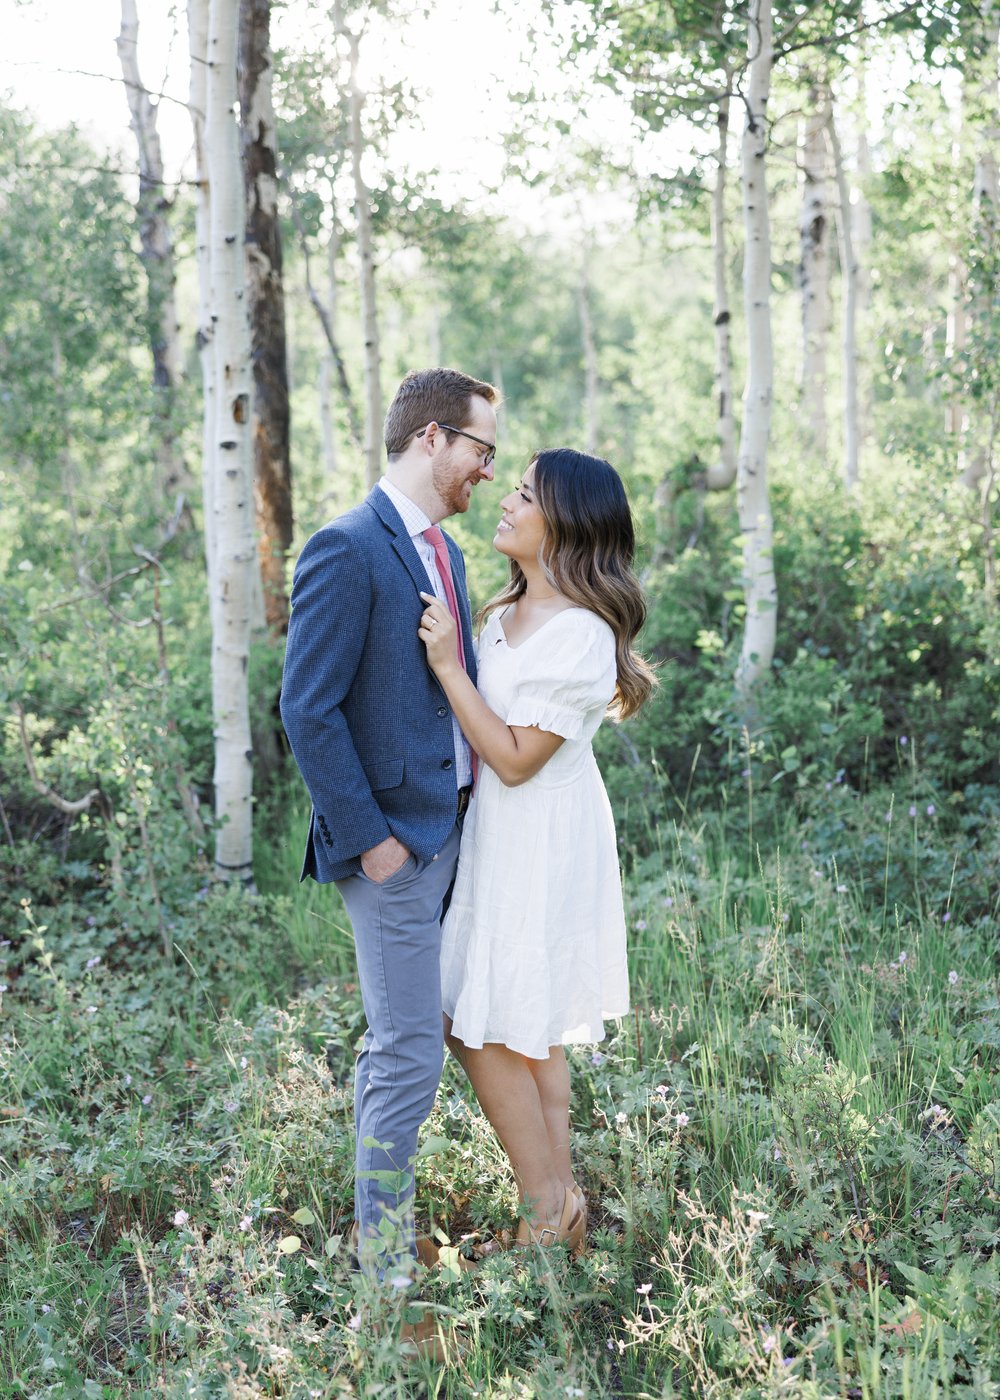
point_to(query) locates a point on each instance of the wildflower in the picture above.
(838, 777)
(913, 810)
(621, 1119)
(573, 1390)
(681, 1119)
(644, 1288)
(817, 874)
(641, 925)
(785, 918)
(828, 787)
(147, 1099)
(768, 1343)
(945, 917)
(841, 889)
(668, 903)
(245, 1223)
(243, 1062)
(230, 1106)
(931, 809)
(777, 1154)
(597, 1058)
(90, 921)
(3, 988)
(46, 1308)
(181, 1218)
(888, 816)
(756, 1217)
(400, 1281)
(92, 962)
(354, 1323)
(903, 740)
(127, 1080)
(902, 957)
(953, 977)
(91, 1010)
(77, 1302)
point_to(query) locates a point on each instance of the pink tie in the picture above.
(436, 540)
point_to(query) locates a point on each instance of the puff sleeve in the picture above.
(572, 673)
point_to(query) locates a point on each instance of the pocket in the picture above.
(407, 868)
(384, 773)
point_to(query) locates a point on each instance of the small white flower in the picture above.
(597, 1058)
(641, 925)
(147, 1099)
(668, 903)
(768, 1343)
(644, 1288)
(92, 962)
(245, 1223)
(181, 1218)
(777, 1154)
(621, 1119)
(681, 1119)
(757, 1217)
(953, 977)
(127, 1080)
(354, 1323)
(91, 1010)
(46, 1308)
(902, 958)
(243, 1062)
(841, 889)
(230, 1106)
(400, 1281)
(3, 988)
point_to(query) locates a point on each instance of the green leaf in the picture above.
(304, 1216)
(290, 1244)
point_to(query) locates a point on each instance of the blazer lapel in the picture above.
(401, 542)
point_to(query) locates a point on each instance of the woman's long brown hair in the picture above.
(587, 556)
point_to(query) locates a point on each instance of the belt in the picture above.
(464, 794)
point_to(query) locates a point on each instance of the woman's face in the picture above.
(522, 526)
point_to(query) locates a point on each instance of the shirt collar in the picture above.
(410, 513)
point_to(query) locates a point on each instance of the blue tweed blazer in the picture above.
(369, 725)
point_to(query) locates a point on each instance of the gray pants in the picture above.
(397, 936)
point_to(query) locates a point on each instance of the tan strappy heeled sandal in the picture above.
(570, 1232)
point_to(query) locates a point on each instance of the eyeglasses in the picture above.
(491, 447)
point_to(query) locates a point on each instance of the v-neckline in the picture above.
(531, 635)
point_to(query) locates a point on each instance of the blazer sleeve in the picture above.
(331, 603)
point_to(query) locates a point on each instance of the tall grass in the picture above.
(791, 1149)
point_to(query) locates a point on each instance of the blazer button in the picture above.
(447, 763)
(442, 711)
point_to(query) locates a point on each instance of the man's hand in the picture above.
(383, 860)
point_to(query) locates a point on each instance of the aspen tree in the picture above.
(849, 313)
(228, 459)
(271, 418)
(756, 526)
(153, 206)
(814, 270)
(366, 258)
(721, 474)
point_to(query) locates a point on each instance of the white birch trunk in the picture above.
(720, 475)
(172, 476)
(862, 210)
(956, 323)
(366, 258)
(814, 272)
(328, 368)
(197, 12)
(589, 355)
(230, 464)
(756, 527)
(849, 315)
(977, 437)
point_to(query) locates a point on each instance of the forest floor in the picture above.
(791, 1148)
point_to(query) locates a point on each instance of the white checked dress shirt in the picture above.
(416, 523)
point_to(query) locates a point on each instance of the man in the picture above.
(386, 765)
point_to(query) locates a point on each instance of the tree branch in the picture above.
(71, 809)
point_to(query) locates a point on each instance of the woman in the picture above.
(533, 946)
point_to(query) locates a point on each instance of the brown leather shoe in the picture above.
(428, 1251)
(428, 1340)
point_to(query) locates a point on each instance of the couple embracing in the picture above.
(456, 800)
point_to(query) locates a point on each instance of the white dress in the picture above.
(533, 944)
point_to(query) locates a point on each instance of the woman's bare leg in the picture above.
(551, 1078)
(508, 1094)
